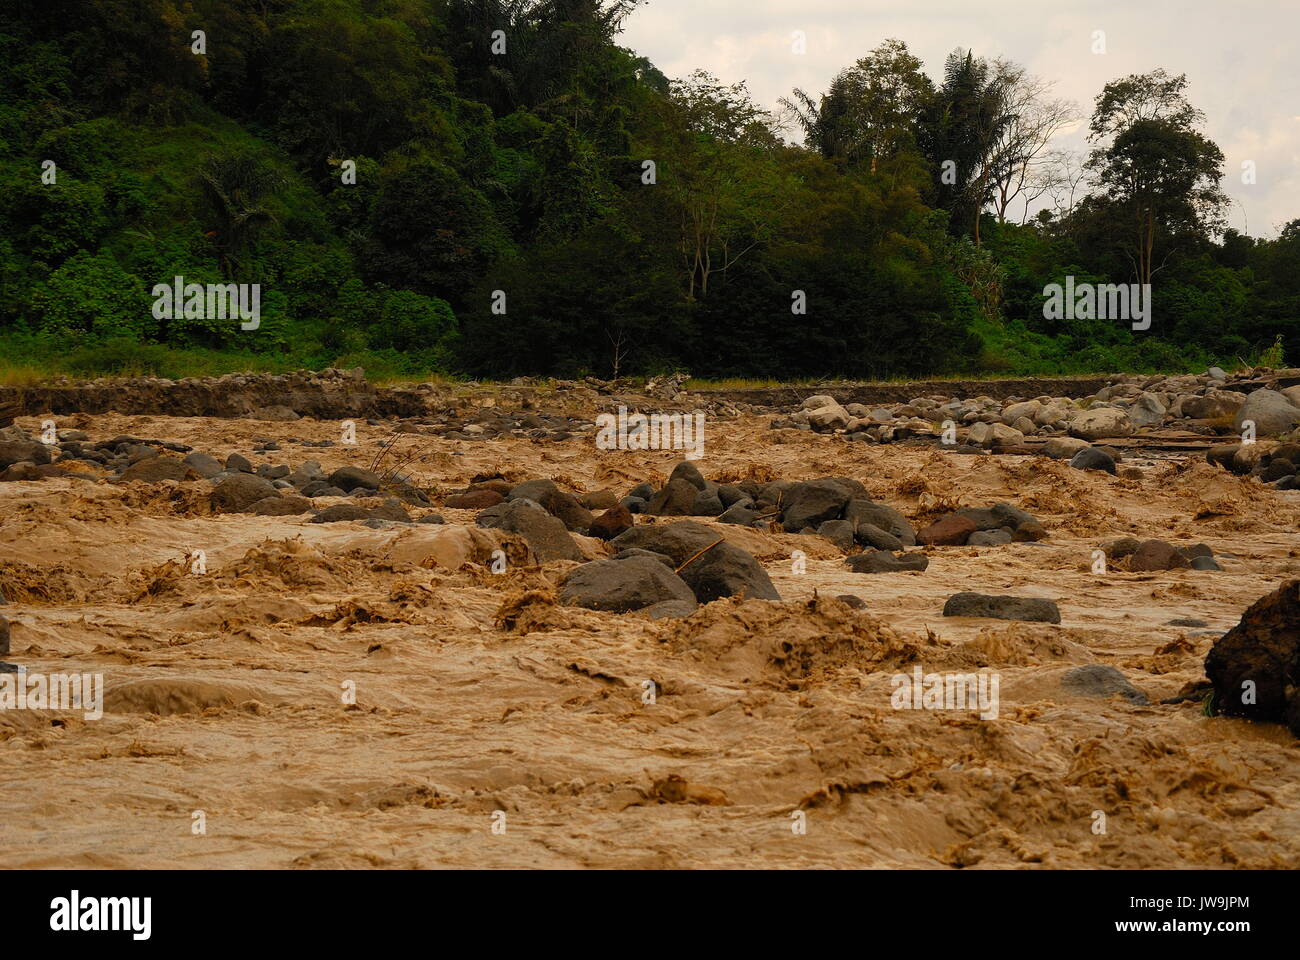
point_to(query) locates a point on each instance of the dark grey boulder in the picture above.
(690, 473)
(202, 464)
(240, 491)
(712, 567)
(1034, 609)
(814, 502)
(341, 513)
(1091, 458)
(676, 499)
(858, 512)
(741, 512)
(882, 561)
(546, 535)
(618, 586)
(642, 491)
(638, 552)
(348, 479)
(707, 505)
(281, 506)
(730, 495)
(838, 532)
(870, 535)
(235, 463)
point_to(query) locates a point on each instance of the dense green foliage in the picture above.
(414, 197)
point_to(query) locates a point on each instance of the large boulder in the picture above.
(238, 492)
(564, 506)
(202, 464)
(882, 561)
(950, 531)
(350, 478)
(810, 504)
(1255, 666)
(546, 535)
(1271, 412)
(711, 567)
(685, 470)
(1101, 422)
(1064, 448)
(858, 512)
(1146, 410)
(1157, 555)
(19, 451)
(1034, 609)
(826, 414)
(676, 499)
(1092, 458)
(1214, 405)
(155, 469)
(994, 435)
(622, 585)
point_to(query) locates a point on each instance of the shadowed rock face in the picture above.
(1255, 666)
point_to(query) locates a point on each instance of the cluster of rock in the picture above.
(666, 570)
(1145, 555)
(1205, 403)
(1271, 462)
(983, 527)
(237, 486)
(489, 423)
(276, 491)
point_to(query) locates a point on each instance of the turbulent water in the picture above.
(493, 727)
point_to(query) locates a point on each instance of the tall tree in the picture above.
(1156, 167)
(1033, 118)
(967, 119)
(872, 110)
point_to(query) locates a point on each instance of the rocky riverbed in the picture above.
(457, 632)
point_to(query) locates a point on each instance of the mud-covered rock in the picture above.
(1034, 609)
(676, 499)
(237, 493)
(950, 531)
(712, 567)
(1255, 666)
(622, 585)
(612, 522)
(1157, 555)
(860, 511)
(348, 479)
(1097, 680)
(546, 535)
(882, 561)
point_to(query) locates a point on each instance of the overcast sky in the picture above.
(1241, 57)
